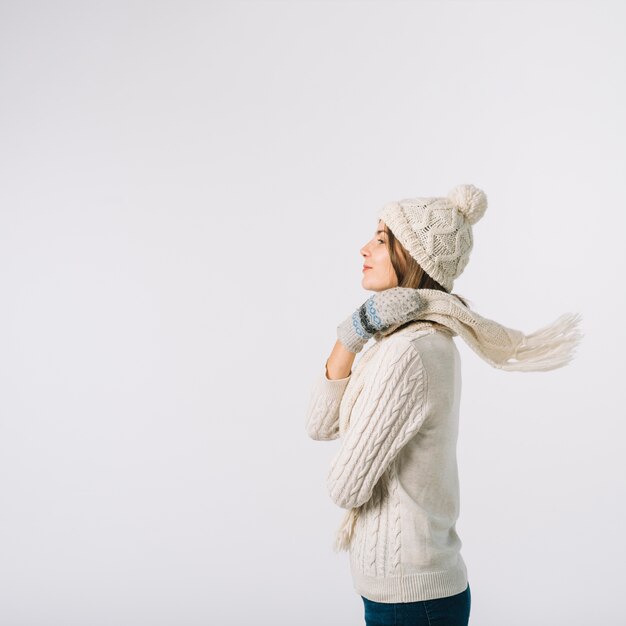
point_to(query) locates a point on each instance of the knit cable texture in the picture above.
(388, 413)
(396, 486)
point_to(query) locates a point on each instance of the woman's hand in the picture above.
(380, 311)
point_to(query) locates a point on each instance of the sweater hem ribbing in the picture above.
(411, 587)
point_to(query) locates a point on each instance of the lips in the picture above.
(366, 267)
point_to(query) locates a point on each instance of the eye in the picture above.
(381, 241)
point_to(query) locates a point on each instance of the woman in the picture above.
(397, 414)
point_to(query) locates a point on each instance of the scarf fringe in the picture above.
(505, 348)
(346, 530)
(548, 348)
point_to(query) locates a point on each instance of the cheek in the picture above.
(382, 257)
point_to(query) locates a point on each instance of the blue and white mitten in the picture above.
(384, 309)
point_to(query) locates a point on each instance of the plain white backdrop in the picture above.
(185, 187)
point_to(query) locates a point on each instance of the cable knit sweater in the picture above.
(397, 417)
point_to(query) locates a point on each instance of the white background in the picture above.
(185, 188)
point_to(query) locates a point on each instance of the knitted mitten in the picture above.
(380, 311)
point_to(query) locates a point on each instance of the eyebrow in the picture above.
(380, 231)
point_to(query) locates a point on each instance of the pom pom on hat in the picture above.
(437, 231)
(470, 201)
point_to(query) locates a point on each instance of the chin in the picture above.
(370, 286)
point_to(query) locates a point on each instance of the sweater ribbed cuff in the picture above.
(322, 417)
(332, 387)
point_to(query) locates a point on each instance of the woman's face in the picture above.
(380, 274)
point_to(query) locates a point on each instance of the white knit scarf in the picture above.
(548, 348)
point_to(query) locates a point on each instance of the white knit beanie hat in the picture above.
(437, 232)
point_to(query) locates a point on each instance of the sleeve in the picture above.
(322, 415)
(387, 414)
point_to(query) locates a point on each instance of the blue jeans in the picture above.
(449, 611)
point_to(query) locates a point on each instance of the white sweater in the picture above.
(397, 416)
